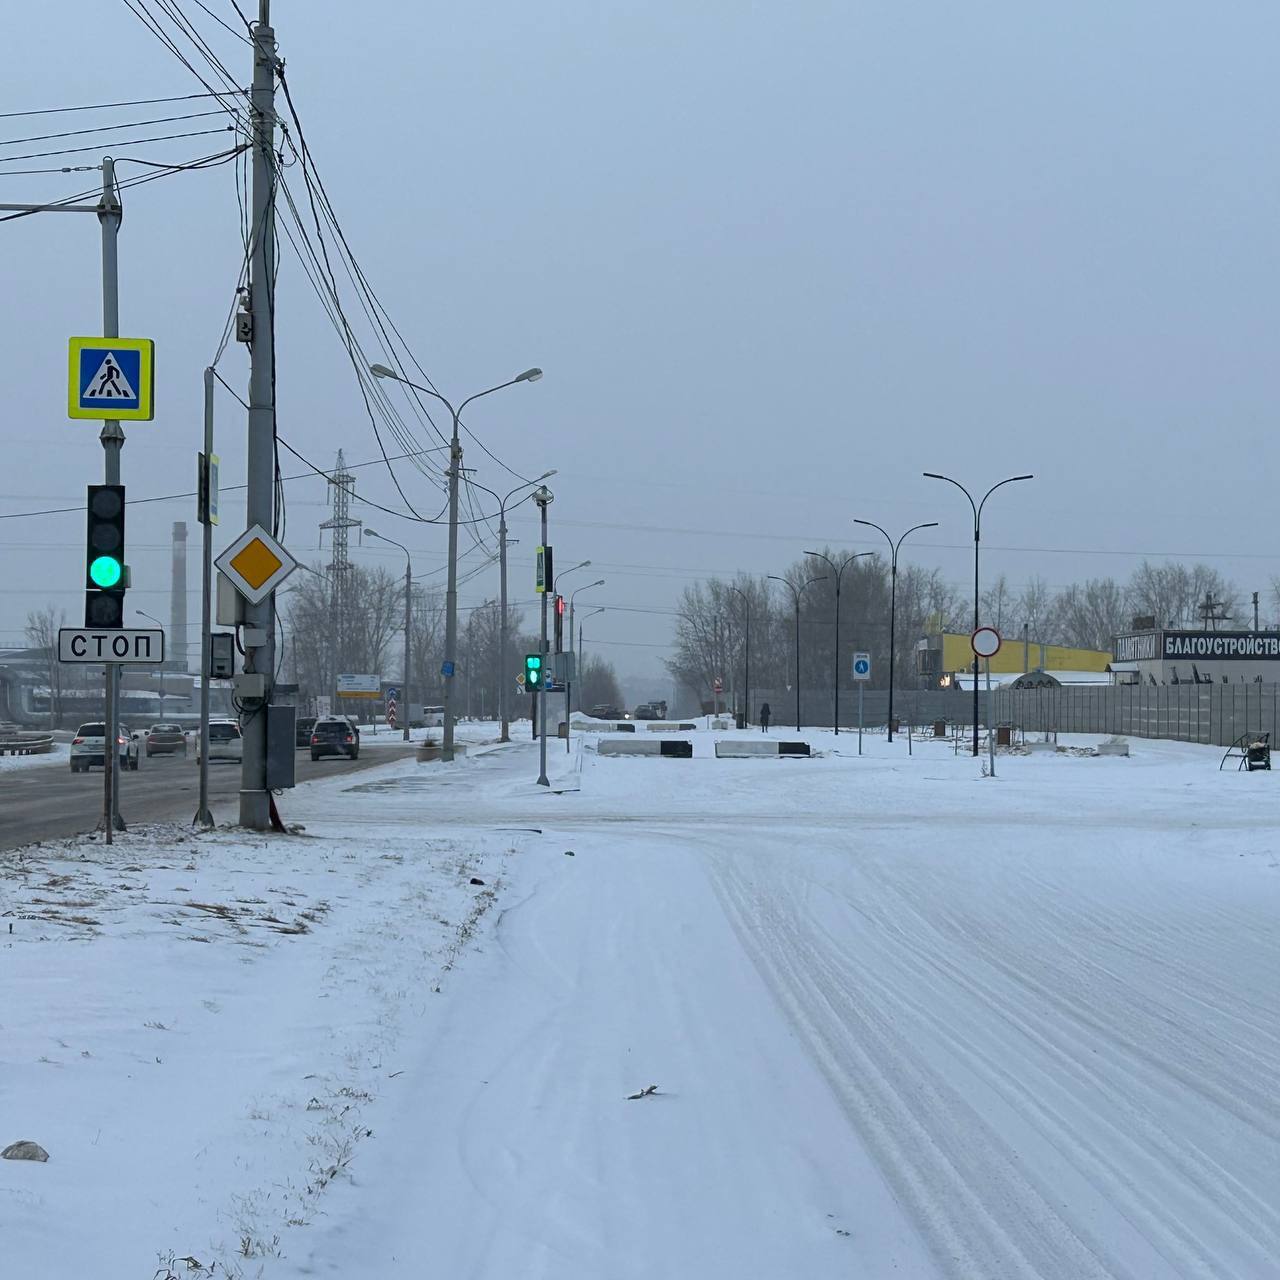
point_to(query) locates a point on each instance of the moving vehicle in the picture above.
(646, 711)
(302, 730)
(225, 742)
(605, 711)
(88, 747)
(164, 739)
(335, 736)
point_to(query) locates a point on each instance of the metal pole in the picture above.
(451, 592)
(504, 733)
(893, 617)
(835, 715)
(541, 702)
(112, 438)
(203, 817)
(408, 621)
(860, 685)
(797, 662)
(991, 737)
(976, 527)
(259, 629)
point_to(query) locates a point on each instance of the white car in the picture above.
(88, 747)
(225, 742)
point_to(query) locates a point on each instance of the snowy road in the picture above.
(903, 1021)
(1025, 1028)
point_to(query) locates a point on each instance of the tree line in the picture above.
(715, 615)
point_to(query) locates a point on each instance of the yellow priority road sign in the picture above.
(111, 378)
(256, 564)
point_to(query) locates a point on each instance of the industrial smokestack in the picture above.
(177, 656)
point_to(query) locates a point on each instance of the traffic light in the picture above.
(532, 672)
(104, 557)
(559, 634)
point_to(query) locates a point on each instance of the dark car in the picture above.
(605, 711)
(302, 730)
(646, 711)
(166, 739)
(334, 736)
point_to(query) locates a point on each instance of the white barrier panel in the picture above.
(749, 748)
(679, 750)
(599, 726)
(672, 727)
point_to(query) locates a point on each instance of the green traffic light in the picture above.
(106, 572)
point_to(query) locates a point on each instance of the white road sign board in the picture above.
(84, 644)
(862, 666)
(986, 642)
(359, 686)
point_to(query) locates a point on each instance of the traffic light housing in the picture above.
(559, 628)
(105, 576)
(532, 672)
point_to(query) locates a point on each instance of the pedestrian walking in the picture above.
(764, 717)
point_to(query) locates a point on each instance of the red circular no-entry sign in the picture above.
(985, 642)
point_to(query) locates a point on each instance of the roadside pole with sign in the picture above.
(986, 644)
(861, 674)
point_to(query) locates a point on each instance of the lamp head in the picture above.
(530, 375)
(381, 371)
(543, 496)
(372, 533)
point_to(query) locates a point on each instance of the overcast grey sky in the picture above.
(775, 258)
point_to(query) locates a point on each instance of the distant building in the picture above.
(942, 659)
(1156, 656)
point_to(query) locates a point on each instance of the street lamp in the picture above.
(408, 597)
(746, 652)
(544, 498)
(451, 592)
(977, 534)
(572, 594)
(839, 571)
(797, 591)
(503, 670)
(893, 595)
(152, 618)
(592, 614)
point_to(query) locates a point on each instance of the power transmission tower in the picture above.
(1213, 611)
(342, 483)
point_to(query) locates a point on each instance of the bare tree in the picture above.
(41, 631)
(1087, 615)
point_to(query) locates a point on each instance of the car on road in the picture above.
(302, 727)
(225, 742)
(605, 711)
(164, 740)
(646, 711)
(335, 736)
(88, 747)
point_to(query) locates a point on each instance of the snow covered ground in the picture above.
(903, 1020)
(60, 754)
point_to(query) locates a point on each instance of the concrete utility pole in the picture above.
(259, 629)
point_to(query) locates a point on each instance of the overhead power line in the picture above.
(106, 106)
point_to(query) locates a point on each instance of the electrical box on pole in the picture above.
(105, 573)
(222, 656)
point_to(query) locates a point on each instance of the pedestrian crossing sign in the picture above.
(111, 378)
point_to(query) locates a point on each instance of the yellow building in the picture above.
(943, 654)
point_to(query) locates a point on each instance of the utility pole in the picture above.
(1255, 611)
(259, 629)
(746, 651)
(543, 497)
(112, 438)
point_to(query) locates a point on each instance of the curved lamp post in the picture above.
(451, 592)
(797, 592)
(838, 570)
(977, 535)
(746, 651)
(893, 595)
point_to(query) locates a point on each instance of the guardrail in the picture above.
(29, 744)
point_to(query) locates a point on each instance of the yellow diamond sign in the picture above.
(256, 564)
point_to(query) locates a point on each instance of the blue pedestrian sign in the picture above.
(446, 668)
(111, 378)
(392, 693)
(862, 666)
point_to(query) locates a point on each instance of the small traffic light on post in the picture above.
(532, 672)
(559, 630)
(105, 573)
